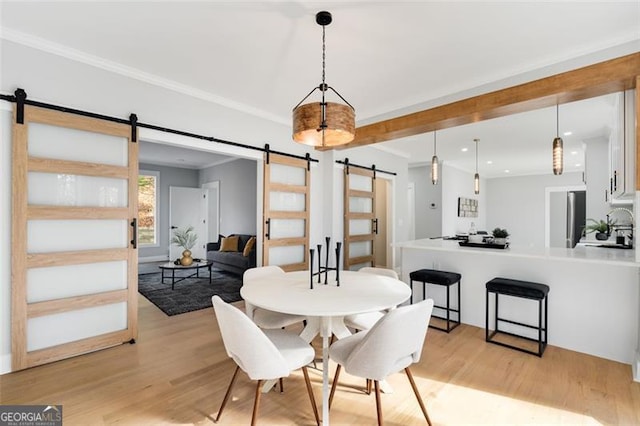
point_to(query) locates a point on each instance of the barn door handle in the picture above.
(375, 226)
(134, 231)
(267, 234)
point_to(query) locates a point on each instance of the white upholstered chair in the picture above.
(264, 317)
(392, 344)
(262, 354)
(365, 321)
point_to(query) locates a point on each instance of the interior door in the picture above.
(74, 258)
(360, 221)
(381, 234)
(186, 208)
(286, 212)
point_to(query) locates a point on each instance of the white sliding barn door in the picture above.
(286, 212)
(74, 262)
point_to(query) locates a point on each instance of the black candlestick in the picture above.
(326, 269)
(319, 261)
(311, 268)
(338, 246)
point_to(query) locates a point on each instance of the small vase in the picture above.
(601, 236)
(186, 259)
(500, 241)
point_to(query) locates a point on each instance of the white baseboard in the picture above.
(153, 259)
(635, 366)
(5, 364)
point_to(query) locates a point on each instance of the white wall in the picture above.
(457, 183)
(518, 204)
(428, 202)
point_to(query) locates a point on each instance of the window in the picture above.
(148, 208)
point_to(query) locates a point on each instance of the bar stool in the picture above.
(442, 278)
(525, 290)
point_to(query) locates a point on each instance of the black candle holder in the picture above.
(326, 268)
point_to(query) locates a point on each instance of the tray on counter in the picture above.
(483, 245)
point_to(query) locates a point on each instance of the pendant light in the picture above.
(434, 163)
(558, 151)
(323, 123)
(476, 177)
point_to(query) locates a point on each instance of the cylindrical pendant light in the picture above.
(476, 177)
(558, 151)
(434, 163)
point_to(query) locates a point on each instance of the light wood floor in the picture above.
(178, 371)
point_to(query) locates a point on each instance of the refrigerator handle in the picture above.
(571, 219)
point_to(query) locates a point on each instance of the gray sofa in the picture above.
(230, 261)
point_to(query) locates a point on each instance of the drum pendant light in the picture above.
(476, 177)
(558, 151)
(434, 163)
(323, 124)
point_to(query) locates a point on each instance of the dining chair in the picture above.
(366, 320)
(392, 344)
(261, 354)
(263, 317)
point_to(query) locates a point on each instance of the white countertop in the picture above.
(620, 257)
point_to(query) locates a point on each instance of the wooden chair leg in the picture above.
(368, 387)
(256, 403)
(281, 385)
(313, 400)
(334, 384)
(226, 395)
(378, 402)
(415, 390)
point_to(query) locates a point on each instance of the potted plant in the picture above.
(500, 235)
(186, 239)
(600, 227)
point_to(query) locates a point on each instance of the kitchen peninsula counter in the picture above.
(594, 297)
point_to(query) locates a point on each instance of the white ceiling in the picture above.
(383, 57)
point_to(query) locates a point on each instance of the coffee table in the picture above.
(170, 266)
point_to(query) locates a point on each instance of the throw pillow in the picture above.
(249, 246)
(229, 244)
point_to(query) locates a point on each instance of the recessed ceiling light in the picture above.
(464, 149)
(574, 152)
(578, 164)
(507, 171)
(567, 133)
(489, 162)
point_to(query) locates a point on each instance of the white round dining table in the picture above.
(326, 305)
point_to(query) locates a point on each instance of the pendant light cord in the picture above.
(434, 142)
(557, 120)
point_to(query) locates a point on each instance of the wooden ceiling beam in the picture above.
(594, 80)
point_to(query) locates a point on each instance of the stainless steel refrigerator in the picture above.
(568, 217)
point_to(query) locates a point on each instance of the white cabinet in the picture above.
(622, 151)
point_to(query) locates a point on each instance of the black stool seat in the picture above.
(441, 278)
(525, 290)
(518, 288)
(433, 276)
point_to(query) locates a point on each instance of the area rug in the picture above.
(191, 294)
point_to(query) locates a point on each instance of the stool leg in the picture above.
(486, 318)
(424, 290)
(495, 322)
(459, 304)
(546, 320)
(540, 327)
(411, 285)
(448, 307)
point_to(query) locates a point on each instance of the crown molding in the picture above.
(130, 72)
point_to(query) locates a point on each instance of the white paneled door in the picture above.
(286, 212)
(187, 208)
(74, 215)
